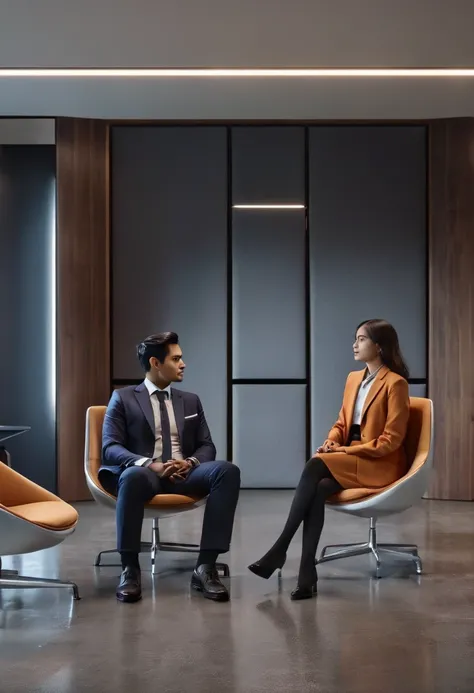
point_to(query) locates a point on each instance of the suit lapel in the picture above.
(178, 408)
(143, 397)
(352, 395)
(375, 389)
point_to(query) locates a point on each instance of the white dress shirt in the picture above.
(176, 452)
(364, 390)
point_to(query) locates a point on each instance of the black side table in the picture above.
(7, 432)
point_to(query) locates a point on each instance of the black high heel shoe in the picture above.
(267, 565)
(306, 589)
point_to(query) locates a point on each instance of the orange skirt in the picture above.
(352, 471)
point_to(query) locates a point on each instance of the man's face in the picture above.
(172, 370)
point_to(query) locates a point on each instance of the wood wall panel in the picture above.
(451, 310)
(83, 320)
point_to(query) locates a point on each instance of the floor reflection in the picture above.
(359, 635)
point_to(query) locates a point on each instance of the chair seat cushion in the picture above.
(162, 500)
(56, 515)
(167, 499)
(352, 495)
(349, 495)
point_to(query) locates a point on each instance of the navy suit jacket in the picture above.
(128, 433)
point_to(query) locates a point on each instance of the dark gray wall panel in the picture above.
(269, 434)
(169, 253)
(27, 286)
(268, 295)
(417, 390)
(368, 250)
(268, 165)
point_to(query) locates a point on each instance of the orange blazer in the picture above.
(379, 458)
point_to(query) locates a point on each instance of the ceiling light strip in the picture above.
(235, 72)
(260, 206)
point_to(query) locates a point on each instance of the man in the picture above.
(156, 440)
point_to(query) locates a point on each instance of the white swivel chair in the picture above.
(31, 519)
(160, 507)
(396, 498)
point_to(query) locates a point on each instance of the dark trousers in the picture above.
(218, 480)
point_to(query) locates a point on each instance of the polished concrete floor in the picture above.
(360, 635)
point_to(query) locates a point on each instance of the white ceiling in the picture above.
(241, 33)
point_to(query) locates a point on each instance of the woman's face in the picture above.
(364, 348)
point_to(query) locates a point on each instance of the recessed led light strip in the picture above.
(52, 304)
(237, 72)
(258, 206)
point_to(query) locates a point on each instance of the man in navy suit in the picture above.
(156, 440)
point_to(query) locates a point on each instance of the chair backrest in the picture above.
(419, 437)
(93, 443)
(16, 489)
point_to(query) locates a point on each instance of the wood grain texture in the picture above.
(451, 309)
(83, 312)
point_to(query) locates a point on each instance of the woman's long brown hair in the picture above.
(385, 336)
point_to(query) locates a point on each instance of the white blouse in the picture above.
(364, 390)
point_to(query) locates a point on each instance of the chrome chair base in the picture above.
(8, 580)
(156, 545)
(373, 548)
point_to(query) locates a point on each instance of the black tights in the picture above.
(316, 485)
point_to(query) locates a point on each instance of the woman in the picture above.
(363, 449)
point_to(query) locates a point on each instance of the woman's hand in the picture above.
(328, 446)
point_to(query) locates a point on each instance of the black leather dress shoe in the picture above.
(205, 579)
(130, 588)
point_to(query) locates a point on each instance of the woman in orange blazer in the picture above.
(364, 448)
